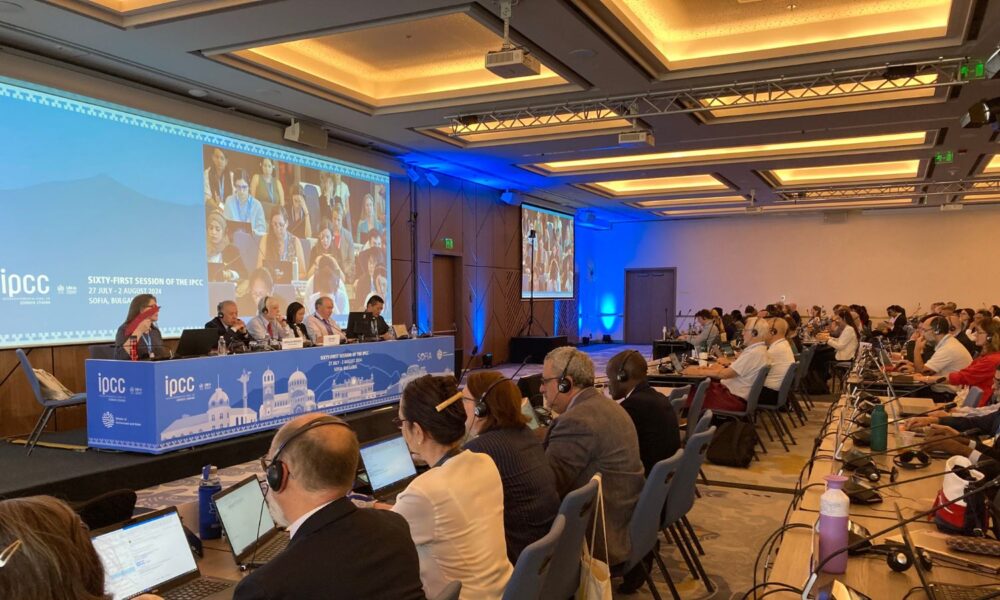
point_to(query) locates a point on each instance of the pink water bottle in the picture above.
(834, 507)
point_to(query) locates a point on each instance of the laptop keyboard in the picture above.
(197, 589)
(271, 549)
(961, 592)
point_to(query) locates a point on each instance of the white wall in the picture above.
(910, 258)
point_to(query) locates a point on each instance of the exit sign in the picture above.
(973, 69)
(449, 244)
(944, 158)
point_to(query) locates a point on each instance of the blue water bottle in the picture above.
(209, 527)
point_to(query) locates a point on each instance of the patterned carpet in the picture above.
(735, 514)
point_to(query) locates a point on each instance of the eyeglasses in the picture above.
(265, 462)
(8, 552)
(398, 422)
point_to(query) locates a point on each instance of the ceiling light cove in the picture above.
(852, 173)
(708, 201)
(993, 166)
(826, 147)
(134, 13)
(629, 188)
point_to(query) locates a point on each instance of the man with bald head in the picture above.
(310, 469)
(779, 355)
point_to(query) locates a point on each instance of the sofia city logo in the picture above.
(13, 285)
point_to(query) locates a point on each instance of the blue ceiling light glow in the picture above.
(609, 311)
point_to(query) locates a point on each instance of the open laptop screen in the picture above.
(387, 462)
(144, 553)
(243, 513)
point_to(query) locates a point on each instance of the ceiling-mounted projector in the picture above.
(636, 137)
(511, 63)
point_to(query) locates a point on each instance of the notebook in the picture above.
(388, 465)
(250, 531)
(150, 554)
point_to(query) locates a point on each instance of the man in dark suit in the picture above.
(592, 434)
(229, 324)
(654, 419)
(374, 324)
(311, 467)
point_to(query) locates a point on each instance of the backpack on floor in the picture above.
(733, 445)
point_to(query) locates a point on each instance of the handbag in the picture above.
(966, 517)
(595, 575)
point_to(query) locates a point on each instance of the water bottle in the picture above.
(295, 269)
(209, 527)
(133, 348)
(879, 428)
(664, 333)
(834, 507)
(222, 346)
(413, 331)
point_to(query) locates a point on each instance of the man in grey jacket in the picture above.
(592, 434)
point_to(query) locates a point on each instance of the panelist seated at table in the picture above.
(45, 553)
(708, 336)
(320, 325)
(229, 324)
(735, 379)
(337, 551)
(373, 325)
(949, 356)
(140, 331)
(269, 324)
(979, 373)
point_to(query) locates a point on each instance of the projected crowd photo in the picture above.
(550, 266)
(282, 229)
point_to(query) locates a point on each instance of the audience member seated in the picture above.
(708, 336)
(841, 342)
(225, 262)
(949, 356)
(269, 324)
(779, 355)
(942, 434)
(455, 509)
(244, 208)
(251, 292)
(793, 337)
(499, 429)
(980, 371)
(145, 335)
(218, 185)
(295, 316)
(736, 379)
(320, 324)
(47, 554)
(310, 467)
(592, 434)
(341, 245)
(895, 326)
(376, 325)
(280, 246)
(265, 185)
(369, 222)
(229, 324)
(816, 320)
(299, 222)
(957, 329)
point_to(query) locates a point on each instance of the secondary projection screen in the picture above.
(102, 203)
(547, 249)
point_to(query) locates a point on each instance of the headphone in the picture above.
(940, 325)
(481, 409)
(622, 375)
(912, 459)
(276, 473)
(565, 383)
(873, 473)
(262, 305)
(218, 308)
(899, 557)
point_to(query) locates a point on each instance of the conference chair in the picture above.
(103, 351)
(805, 363)
(697, 403)
(48, 406)
(451, 591)
(973, 397)
(774, 411)
(533, 565)
(749, 414)
(646, 518)
(679, 502)
(564, 569)
(678, 399)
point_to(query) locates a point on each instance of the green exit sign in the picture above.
(973, 69)
(449, 244)
(944, 158)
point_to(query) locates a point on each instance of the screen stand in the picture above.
(526, 330)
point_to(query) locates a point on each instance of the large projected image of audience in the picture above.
(278, 228)
(550, 235)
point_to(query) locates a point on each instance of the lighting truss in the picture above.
(889, 190)
(845, 83)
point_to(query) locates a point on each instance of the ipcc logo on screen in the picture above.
(13, 285)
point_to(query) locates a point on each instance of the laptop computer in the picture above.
(908, 405)
(676, 362)
(150, 554)
(939, 591)
(388, 465)
(281, 270)
(252, 535)
(197, 342)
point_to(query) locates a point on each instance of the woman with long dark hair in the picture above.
(145, 335)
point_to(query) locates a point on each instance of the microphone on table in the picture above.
(811, 581)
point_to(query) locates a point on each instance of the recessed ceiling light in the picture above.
(656, 185)
(197, 92)
(10, 7)
(670, 202)
(828, 174)
(993, 166)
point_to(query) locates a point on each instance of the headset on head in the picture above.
(218, 308)
(276, 473)
(622, 375)
(481, 409)
(940, 325)
(262, 307)
(565, 384)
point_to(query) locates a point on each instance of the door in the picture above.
(446, 270)
(650, 303)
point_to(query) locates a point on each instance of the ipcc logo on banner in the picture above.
(175, 386)
(110, 385)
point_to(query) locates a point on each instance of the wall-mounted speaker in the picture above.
(307, 135)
